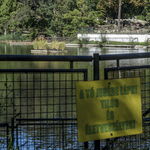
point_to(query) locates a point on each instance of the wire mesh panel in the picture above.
(41, 94)
(4, 136)
(51, 133)
(141, 141)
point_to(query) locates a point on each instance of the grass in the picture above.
(115, 43)
(40, 43)
(129, 43)
(57, 45)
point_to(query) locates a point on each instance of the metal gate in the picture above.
(141, 141)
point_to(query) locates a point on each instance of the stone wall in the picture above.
(116, 37)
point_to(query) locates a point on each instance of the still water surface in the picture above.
(26, 50)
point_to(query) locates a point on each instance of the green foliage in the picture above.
(64, 17)
(62, 45)
(141, 17)
(57, 45)
(82, 41)
(40, 43)
(148, 17)
(13, 36)
(7, 8)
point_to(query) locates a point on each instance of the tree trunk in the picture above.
(119, 15)
(5, 31)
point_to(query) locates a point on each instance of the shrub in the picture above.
(57, 45)
(62, 45)
(83, 40)
(148, 17)
(141, 17)
(13, 36)
(40, 43)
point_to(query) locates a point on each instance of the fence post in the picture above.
(96, 77)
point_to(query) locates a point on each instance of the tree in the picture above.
(7, 8)
(84, 15)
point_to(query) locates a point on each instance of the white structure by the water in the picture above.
(116, 37)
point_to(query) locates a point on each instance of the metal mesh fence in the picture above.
(48, 134)
(135, 141)
(4, 135)
(42, 94)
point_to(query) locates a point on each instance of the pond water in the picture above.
(26, 50)
(27, 104)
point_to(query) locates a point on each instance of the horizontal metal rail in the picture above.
(3, 124)
(45, 119)
(72, 58)
(44, 58)
(43, 70)
(46, 124)
(124, 56)
(28, 120)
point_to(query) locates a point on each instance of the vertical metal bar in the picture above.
(85, 76)
(96, 66)
(71, 64)
(96, 77)
(105, 74)
(85, 79)
(119, 74)
(12, 131)
(107, 140)
(117, 62)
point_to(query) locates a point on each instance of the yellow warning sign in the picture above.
(108, 109)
